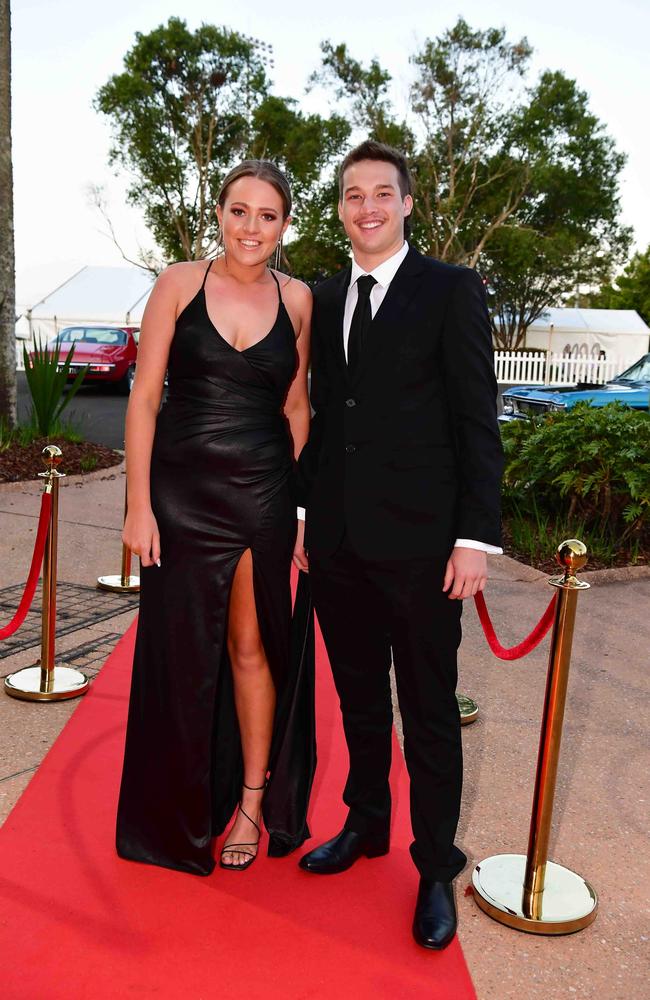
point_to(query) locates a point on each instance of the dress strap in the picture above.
(206, 273)
(278, 284)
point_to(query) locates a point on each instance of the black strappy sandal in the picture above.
(236, 848)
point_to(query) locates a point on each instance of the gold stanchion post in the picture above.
(529, 892)
(125, 583)
(468, 709)
(48, 682)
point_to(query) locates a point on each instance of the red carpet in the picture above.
(78, 922)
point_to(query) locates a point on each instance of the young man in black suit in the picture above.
(400, 480)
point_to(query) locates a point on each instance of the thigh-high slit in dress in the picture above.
(221, 473)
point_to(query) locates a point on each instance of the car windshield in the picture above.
(92, 335)
(639, 372)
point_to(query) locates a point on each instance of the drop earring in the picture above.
(277, 259)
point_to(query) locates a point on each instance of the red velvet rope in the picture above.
(524, 647)
(34, 569)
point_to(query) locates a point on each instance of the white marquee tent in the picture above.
(103, 295)
(587, 333)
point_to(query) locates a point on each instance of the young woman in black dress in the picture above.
(216, 698)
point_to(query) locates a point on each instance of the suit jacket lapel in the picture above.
(335, 313)
(392, 313)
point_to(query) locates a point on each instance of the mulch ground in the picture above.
(20, 462)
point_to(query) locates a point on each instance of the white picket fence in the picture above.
(532, 368)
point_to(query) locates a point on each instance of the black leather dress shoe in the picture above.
(434, 923)
(340, 853)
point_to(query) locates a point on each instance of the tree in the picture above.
(631, 290)
(471, 177)
(7, 258)
(519, 181)
(186, 108)
(566, 231)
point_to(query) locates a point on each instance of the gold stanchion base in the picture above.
(568, 902)
(468, 709)
(65, 682)
(115, 584)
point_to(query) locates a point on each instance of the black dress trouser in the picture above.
(365, 608)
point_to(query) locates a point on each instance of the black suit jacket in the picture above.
(406, 457)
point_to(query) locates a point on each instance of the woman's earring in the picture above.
(220, 248)
(277, 260)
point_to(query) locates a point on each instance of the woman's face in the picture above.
(251, 220)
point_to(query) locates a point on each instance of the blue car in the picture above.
(631, 387)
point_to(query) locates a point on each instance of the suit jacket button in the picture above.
(350, 448)
(350, 402)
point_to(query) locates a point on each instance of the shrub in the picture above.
(587, 465)
(47, 385)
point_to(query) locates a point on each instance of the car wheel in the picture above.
(126, 383)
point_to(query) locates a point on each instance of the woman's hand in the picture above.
(299, 554)
(141, 535)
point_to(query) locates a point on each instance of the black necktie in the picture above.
(361, 320)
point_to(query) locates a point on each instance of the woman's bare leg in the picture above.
(254, 701)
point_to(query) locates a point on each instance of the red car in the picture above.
(110, 352)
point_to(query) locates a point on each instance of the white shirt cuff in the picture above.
(469, 543)
(300, 513)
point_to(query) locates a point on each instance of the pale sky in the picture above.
(64, 51)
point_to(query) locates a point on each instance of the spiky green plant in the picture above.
(47, 377)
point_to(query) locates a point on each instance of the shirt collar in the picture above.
(384, 272)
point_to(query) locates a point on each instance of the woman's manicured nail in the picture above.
(157, 562)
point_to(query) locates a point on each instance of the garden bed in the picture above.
(539, 547)
(581, 473)
(24, 461)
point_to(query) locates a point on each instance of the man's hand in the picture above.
(299, 554)
(467, 571)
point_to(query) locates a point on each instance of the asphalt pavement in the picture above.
(97, 410)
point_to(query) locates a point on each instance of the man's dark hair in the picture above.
(371, 150)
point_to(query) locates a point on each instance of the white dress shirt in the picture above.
(383, 275)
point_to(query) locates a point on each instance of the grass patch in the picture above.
(88, 463)
(26, 433)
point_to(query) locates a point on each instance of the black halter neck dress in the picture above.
(221, 483)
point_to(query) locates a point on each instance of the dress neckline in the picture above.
(217, 331)
(227, 342)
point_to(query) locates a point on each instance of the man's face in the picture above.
(373, 210)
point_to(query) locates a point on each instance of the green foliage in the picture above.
(566, 230)
(631, 290)
(469, 177)
(367, 92)
(516, 177)
(47, 385)
(21, 434)
(588, 467)
(189, 106)
(88, 463)
(518, 180)
(320, 247)
(533, 536)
